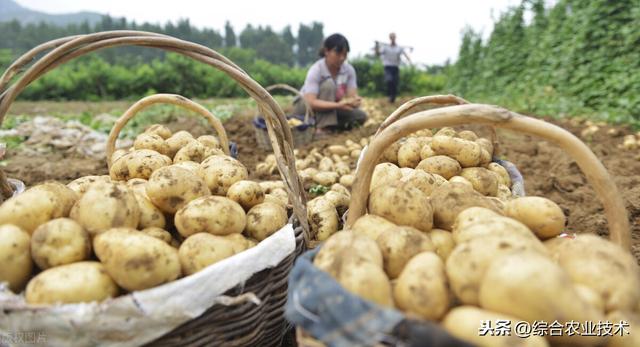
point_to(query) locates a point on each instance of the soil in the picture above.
(547, 170)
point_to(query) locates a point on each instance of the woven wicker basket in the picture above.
(243, 324)
(302, 134)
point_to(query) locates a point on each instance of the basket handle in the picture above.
(591, 167)
(308, 110)
(173, 99)
(68, 48)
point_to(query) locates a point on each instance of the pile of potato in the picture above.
(458, 251)
(171, 206)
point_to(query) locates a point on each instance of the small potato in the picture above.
(543, 216)
(400, 244)
(326, 178)
(81, 184)
(504, 193)
(467, 153)
(221, 171)
(159, 130)
(170, 188)
(483, 180)
(212, 214)
(403, 205)
(66, 196)
(30, 209)
(449, 200)
(150, 215)
(193, 151)
(58, 242)
(341, 189)
(371, 226)
(391, 153)
(427, 152)
(409, 153)
(338, 149)
(326, 164)
(419, 179)
(84, 281)
(460, 179)
(355, 154)
(117, 154)
(421, 288)
(485, 158)
(384, 174)
(468, 135)
(443, 241)
(473, 215)
(153, 142)
(192, 166)
(135, 260)
(15, 257)
(246, 193)
(503, 175)
(342, 168)
(177, 141)
(366, 280)
(495, 226)
(265, 219)
(268, 186)
(486, 145)
(158, 233)
(330, 256)
(203, 249)
(209, 141)
(446, 131)
(441, 165)
(140, 163)
(323, 218)
(339, 201)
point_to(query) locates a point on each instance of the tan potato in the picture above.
(446, 131)
(486, 145)
(421, 288)
(371, 226)
(468, 135)
(135, 260)
(159, 130)
(170, 188)
(193, 151)
(338, 149)
(158, 233)
(341, 189)
(276, 200)
(460, 179)
(192, 166)
(467, 153)
(503, 175)
(66, 196)
(468, 262)
(441, 165)
(203, 249)
(466, 322)
(473, 215)
(246, 193)
(449, 200)
(268, 186)
(84, 281)
(342, 168)
(138, 164)
(443, 241)
(409, 153)
(391, 153)
(153, 142)
(58, 242)
(81, 184)
(427, 152)
(137, 184)
(600, 265)
(265, 219)
(366, 280)
(150, 215)
(177, 141)
(209, 141)
(496, 226)
(425, 182)
(330, 256)
(403, 205)
(400, 244)
(485, 158)
(384, 174)
(338, 200)
(221, 171)
(117, 154)
(326, 178)
(590, 296)
(626, 337)
(355, 154)
(323, 218)
(15, 257)
(30, 209)
(543, 216)
(326, 164)
(483, 180)
(504, 193)
(211, 214)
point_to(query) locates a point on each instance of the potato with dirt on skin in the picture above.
(371, 226)
(427, 152)
(66, 196)
(265, 219)
(326, 164)
(210, 141)
(150, 215)
(15, 257)
(140, 163)
(193, 151)
(503, 175)
(158, 233)
(172, 187)
(451, 199)
(486, 145)
(441, 165)
(221, 171)
(421, 288)
(81, 184)
(58, 242)
(366, 280)
(177, 141)
(460, 179)
(246, 193)
(153, 142)
(323, 218)
(409, 153)
(268, 186)
(468, 135)
(483, 180)
(159, 130)
(330, 256)
(338, 149)
(135, 260)
(495, 226)
(400, 244)
(473, 215)
(337, 187)
(326, 178)
(30, 209)
(443, 242)
(402, 204)
(203, 249)
(419, 179)
(543, 216)
(504, 193)
(446, 131)
(467, 153)
(85, 281)
(383, 174)
(391, 153)
(339, 201)
(119, 153)
(192, 166)
(276, 200)
(211, 214)
(342, 168)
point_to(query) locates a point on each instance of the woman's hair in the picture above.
(335, 42)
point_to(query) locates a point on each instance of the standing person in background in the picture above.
(331, 88)
(391, 54)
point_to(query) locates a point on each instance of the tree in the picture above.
(309, 41)
(229, 35)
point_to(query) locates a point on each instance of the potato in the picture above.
(265, 219)
(427, 152)
(449, 200)
(30, 209)
(441, 165)
(170, 188)
(391, 153)
(203, 249)
(483, 180)
(383, 174)
(140, 163)
(118, 153)
(209, 141)
(326, 164)
(15, 257)
(487, 145)
(326, 178)
(338, 200)
(342, 168)
(400, 244)
(135, 260)
(355, 154)
(421, 288)
(366, 280)
(177, 141)
(371, 226)
(409, 153)
(58, 242)
(446, 131)
(240, 242)
(626, 337)
(485, 158)
(268, 186)
(403, 205)
(468, 262)
(277, 199)
(191, 166)
(543, 216)
(246, 193)
(468, 135)
(212, 214)
(467, 153)
(443, 242)
(460, 179)
(504, 193)
(159, 130)
(85, 281)
(137, 184)
(338, 149)
(221, 171)
(341, 189)
(421, 180)
(194, 151)
(105, 206)
(495, 226)
(323, 218)
(158, 233)
(530, 286)
(466, 323)
(150, 215)
(66, 196)
(590, 296)
(331, 255)
(81, 184)
(600, 265)
(503, 175)
(473, 215)
(153, 142)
